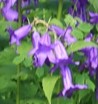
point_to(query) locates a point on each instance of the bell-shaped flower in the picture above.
(93, 17)
(60, 52)
(42, 49)
(10, 14)
(91, 54)
(17, 35)
(69, 87)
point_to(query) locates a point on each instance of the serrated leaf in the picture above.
(18, 59)
(7, 56)
(48, 84)
(24, 48)
(90, 84)
(80, 45)
(85, 27)
(56, 22)
(77, 33)
(40, 72)
(95, 4)
(69, 20)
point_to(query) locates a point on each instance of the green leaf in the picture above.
(56, 22)
(28, 61)
(18, 59)
(90, 84)
(7, 56)
(69, 20)
(85, 79)
(80, 45)
(77, 33)
(40, 72)
(24, 48)
(48, 84)
(85, 27)
(95, 4)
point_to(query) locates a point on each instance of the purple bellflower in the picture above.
(69, 87)
(91, 54)
(62, 61)
(17, 35)
(42, 49)
(10, 14)
(93, 17)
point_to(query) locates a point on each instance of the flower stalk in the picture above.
(18, 66)
(60, 7)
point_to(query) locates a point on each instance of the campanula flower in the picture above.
(93, 17)
(69, 87)
(17, 35)
(91, 54)
(42, 49)
(10, 14)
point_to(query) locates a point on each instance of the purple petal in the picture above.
(68, 37)
(10, 14)
(45, 39)
(60, 51)
(41, 57)
(16, 36)
(59, 31)
(35, 39)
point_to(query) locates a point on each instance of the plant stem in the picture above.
(18, 66)
(19, 12)
(60, 7)
(18, 86)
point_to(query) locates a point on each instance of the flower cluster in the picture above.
(48, 51)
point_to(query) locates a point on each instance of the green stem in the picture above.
(18, 66)
(18, 86)
(60, 7)
(19, 12)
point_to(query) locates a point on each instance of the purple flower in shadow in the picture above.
(93, 17)
(17, 35)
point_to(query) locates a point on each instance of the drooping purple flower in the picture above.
(91, 54)
(17, 35)
(10, 14)
(69, 87)
(60, 51)
(93, 17)
(42, 49)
